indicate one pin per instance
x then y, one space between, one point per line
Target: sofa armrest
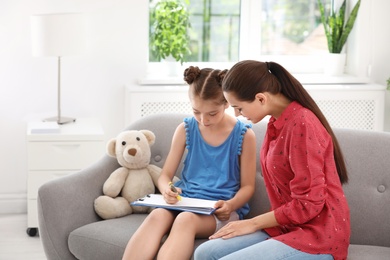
58 214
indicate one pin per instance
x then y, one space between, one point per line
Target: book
44 127
200 206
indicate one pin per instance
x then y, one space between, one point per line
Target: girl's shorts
219 224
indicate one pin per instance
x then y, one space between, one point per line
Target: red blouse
303 185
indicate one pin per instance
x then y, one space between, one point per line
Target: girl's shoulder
243 126
246 134
188 121
180 130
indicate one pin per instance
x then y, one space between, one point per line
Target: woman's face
207 112
252 110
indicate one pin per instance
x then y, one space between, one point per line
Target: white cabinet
53 155
356 106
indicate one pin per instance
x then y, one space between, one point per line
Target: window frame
250 46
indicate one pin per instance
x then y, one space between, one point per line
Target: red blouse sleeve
310 148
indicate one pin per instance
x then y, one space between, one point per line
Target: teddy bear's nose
132 151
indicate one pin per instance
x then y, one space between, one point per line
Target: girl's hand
170 196
235 228
224 209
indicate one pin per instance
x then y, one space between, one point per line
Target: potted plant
388 84
337 28
169 35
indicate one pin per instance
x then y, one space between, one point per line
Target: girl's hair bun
191 74
221 75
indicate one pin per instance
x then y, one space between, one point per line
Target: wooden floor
15 244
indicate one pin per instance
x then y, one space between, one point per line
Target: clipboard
200 206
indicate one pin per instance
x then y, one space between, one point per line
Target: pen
173 188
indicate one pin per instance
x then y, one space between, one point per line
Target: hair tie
268 66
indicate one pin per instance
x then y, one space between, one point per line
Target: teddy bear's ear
111 147
149 136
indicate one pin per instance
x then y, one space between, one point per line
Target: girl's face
254 110
208 112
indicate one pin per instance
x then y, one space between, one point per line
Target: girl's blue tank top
212 172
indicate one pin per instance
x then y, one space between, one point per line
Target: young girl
303 171
220 165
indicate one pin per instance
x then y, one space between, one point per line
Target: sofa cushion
104 239
363 252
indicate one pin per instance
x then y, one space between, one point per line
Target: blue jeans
254 246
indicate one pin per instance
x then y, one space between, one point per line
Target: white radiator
358 106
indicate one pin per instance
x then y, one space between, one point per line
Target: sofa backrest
367 158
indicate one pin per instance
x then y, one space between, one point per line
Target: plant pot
335 64
172 66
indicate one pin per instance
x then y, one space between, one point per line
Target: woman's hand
235 228
224 209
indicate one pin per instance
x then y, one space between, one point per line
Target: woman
303 171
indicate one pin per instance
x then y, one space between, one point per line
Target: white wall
380 70
93 84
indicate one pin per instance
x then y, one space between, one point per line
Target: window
284 31
291 28
215 30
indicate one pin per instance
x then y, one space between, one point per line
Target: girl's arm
247 175
172 163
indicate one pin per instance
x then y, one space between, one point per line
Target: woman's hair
247 78
205 83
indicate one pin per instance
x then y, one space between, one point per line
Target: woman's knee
218 248
209 250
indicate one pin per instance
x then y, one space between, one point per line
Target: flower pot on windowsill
337 29
335 64
172 66
169 36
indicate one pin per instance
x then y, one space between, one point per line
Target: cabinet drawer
63 155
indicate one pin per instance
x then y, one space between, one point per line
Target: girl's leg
186 227
217 248
273 250
145 242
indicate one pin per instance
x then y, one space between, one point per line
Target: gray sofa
70 229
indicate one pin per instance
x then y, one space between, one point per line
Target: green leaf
335 30
388 84
348 26
169 33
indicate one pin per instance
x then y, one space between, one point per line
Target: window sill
305 79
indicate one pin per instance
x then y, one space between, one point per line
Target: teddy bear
135 179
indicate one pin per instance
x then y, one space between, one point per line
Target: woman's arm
247 226
310 159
